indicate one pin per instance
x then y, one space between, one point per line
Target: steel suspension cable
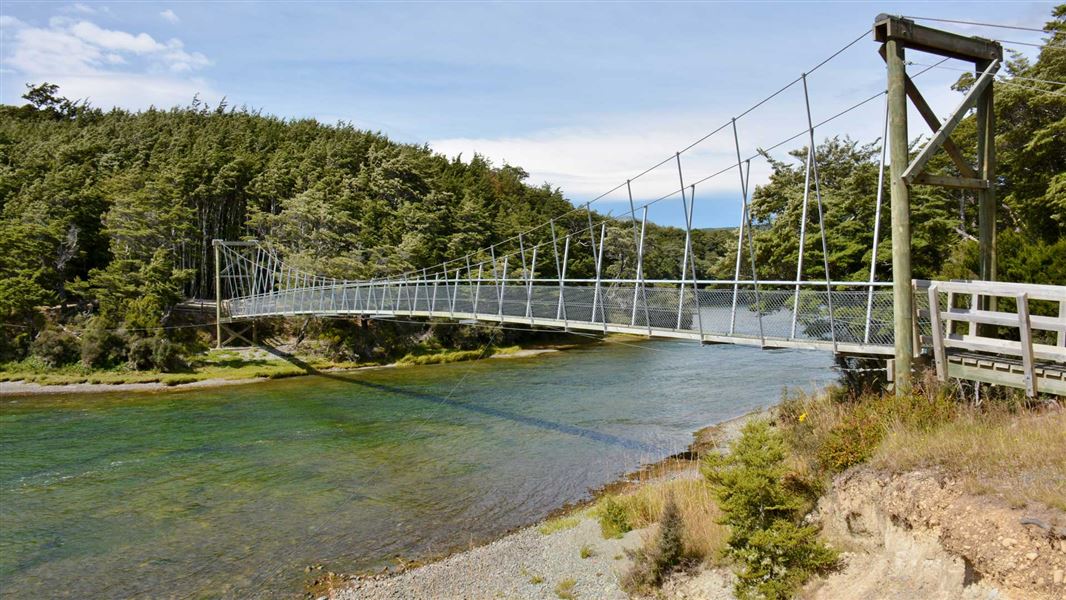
960 22
587 205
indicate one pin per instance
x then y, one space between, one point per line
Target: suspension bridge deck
966 337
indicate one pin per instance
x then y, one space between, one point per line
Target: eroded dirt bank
919 535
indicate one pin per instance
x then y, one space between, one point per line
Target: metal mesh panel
723 310
260 285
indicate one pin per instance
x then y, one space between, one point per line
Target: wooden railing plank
1026 344
1004 319
939 353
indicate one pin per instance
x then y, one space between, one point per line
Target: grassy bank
225 365
1002 447
443 356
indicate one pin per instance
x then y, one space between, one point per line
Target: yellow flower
803 417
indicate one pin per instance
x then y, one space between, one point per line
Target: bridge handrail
1002 289
987 339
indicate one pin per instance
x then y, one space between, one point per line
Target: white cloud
82 8
7 21
142 43
170 15
587 161
107 66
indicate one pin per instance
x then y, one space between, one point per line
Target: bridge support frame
897 35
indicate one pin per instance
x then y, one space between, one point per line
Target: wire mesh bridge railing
848 317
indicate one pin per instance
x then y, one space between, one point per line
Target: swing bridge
984 330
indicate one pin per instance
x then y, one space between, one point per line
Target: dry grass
565 589
1019 457
703 536
559 524
999 449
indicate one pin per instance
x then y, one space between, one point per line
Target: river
232 492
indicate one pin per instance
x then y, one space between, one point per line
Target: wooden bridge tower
897 35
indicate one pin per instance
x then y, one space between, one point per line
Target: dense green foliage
111 214
774 551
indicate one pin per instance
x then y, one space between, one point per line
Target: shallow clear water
233 491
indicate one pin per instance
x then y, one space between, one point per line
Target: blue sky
581 95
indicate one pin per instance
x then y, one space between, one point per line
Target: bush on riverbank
660 554
774 551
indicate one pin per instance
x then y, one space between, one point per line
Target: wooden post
986 166
218 299
901 226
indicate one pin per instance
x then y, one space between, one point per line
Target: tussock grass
1000 448
559 524
565 589
702 538
1019 457
451 356
442 357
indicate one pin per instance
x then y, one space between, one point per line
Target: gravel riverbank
536 565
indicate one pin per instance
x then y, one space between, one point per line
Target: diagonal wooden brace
934 124
945 130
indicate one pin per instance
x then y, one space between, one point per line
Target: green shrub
100 346
614 519
55 347
156 353
779 559
139 354
851 441
664 553
774 553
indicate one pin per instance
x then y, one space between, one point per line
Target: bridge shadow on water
544 424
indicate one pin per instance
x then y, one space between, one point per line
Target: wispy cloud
108 66
84 9
589 161
170 15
